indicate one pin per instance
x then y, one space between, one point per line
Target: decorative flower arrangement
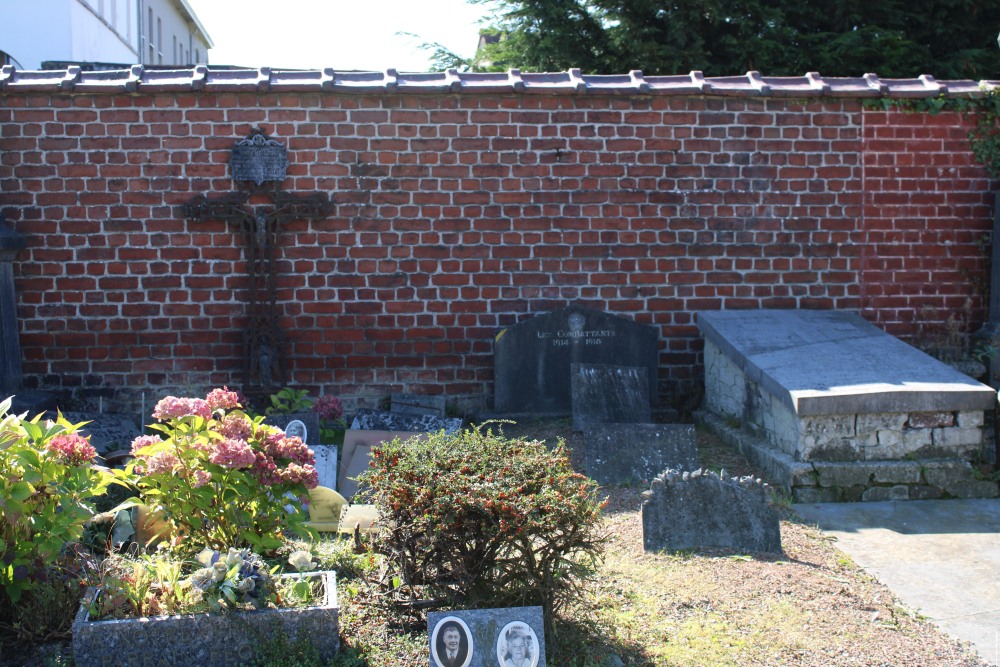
220 478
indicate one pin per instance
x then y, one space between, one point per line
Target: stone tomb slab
609 395
626 453
532 358
828 392
836 363
487 637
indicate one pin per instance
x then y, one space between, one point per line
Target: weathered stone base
840 481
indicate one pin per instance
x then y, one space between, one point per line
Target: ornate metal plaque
259 159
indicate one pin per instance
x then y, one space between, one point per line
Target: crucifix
259 209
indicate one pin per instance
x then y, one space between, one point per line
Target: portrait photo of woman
517 646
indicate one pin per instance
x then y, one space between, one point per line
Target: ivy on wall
984 138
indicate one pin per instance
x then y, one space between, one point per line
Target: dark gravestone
416 404
532 358
487 637
108 431
10 355
627 453
609 395
695 510
258 158
379 420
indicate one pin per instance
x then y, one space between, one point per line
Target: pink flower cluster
232 453
296 474
279 446
164 461
144 441
201 478
328 407
172 407
72 448
235 426
223 399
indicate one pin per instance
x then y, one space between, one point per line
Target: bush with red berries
480 520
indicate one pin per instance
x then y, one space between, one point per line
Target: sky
342 34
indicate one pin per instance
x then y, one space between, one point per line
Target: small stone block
846 474
815 495
970 419
418 404
931 419
947 473
626 453
925 492
870 423
878 493
487 637
957 437
972 488
896 472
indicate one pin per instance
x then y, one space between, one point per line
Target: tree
895 38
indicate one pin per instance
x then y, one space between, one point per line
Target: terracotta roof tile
201 77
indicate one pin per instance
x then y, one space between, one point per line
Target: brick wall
458 214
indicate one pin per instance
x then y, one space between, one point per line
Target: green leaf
21 490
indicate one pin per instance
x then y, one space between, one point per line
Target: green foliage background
949 39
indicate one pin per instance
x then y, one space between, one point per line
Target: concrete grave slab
532 358
626 453
696 510
367 419
604 394
835 363
487 637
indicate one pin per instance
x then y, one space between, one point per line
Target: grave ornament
259 165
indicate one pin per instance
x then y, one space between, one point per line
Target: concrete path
940 557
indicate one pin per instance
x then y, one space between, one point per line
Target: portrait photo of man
451 643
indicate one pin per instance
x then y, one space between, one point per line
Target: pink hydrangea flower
280 446
72 448
161 462
144 441
296 474
222 399
232 453
172 407
201 478
265 471
236 426
328 407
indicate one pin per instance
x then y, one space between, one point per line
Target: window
175 61
197 55
159 40
149 39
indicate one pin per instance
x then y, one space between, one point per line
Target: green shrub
482 520
47 484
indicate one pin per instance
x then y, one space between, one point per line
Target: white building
123 32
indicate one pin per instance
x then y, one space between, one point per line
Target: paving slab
939 557
834 362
